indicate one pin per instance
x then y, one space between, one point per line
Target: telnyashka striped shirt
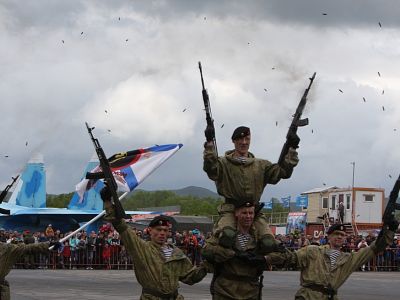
166 250
241 159
243 239
333 255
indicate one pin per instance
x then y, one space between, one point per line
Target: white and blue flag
302 201
285 201
129 169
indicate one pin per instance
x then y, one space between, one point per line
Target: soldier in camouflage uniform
9 254
159 266
325 268
239 176
237 270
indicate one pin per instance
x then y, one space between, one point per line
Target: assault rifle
4 194
292 140
391 206
207 108
106 174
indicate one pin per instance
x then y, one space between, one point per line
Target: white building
363 207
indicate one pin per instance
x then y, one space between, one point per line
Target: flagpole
87 223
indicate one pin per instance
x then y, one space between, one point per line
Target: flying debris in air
276 123
273 68
109 130
265 89
26 143
222 126
62 41
364 99
81 32
312 130
383 91
379 74
106 111
184 110
205 18
248 43
324 184
340 91
383 108
126 40
380 25
394 129
324 14
119 18
6 156
390 176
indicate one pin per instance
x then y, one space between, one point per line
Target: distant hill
196 191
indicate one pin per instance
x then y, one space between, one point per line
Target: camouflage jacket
233 277
10 253
243 180
315 269
153 272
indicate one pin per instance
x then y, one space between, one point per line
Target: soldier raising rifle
240 176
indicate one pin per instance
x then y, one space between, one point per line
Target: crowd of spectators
104 249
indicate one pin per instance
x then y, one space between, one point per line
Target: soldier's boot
266 244
227 237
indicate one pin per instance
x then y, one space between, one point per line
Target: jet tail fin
30 190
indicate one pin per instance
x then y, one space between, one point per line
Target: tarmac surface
114 284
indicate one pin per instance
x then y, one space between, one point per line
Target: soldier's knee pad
266 244
227 237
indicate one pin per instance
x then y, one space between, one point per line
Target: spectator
49 232
91 250
107 256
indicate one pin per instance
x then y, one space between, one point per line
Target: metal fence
115 257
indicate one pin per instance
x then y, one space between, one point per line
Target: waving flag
302 201
130 168
285 201
268 204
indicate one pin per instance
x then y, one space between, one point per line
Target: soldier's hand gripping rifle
210 129
4 194
292 139
106 174
389 220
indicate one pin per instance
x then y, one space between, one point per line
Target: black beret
240 132
160 221
244 203
336 227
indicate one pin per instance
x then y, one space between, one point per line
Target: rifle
4 194
106 174
391 206
292 140
207 108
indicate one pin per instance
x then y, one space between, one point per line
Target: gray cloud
48 88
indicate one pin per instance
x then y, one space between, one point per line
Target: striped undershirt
243 239
333 255
241 159
167 250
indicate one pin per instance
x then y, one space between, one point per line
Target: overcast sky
67 62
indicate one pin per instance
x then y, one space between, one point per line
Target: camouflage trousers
227 219
4 291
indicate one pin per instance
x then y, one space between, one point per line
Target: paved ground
112 285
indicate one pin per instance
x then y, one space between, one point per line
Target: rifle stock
207 108
106 174
296 122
